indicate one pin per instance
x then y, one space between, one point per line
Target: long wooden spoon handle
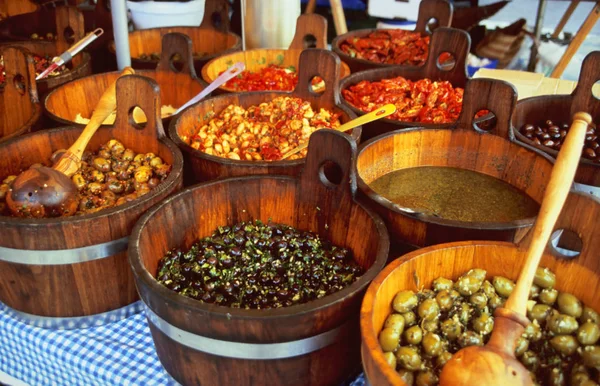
70 161
381 112
555 196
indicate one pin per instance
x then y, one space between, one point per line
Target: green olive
562 324
101 164
534 292
389 339
579 374
454 294
396 322
79 181
104 153
565 344
470 338
488 289
97 176
539 312
128 155
425 294
390 358
496 301
544 278
468 285
413 335
410 319
156 162
451 329
95 187
442 284
589 315
483 324
591 356
139 158
479 300
432 344
556 377
477 273
464 314
142 174
428 309
116 148
431 325
444 300
533 331
503 286
548 296
588 333
405 301
522 346
407 376
569 304
530 360
426 378
408 358
443 358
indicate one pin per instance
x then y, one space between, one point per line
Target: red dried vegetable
40 64
270 78
395 46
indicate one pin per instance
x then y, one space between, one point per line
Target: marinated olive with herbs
559 346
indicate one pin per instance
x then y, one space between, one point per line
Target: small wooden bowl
258 334
578 277
451 40
441 10
461 146
560 108
56 268
176 87
203 167
20 107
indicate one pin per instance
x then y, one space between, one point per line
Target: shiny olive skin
405 301
451 329
444 300
390 358
588 333
503 286
589 315
410 319
432 344
396 322
426 378
544 278
565 344
548 296
428 309
522 346
441 284
496 301
413 335
556 377
562 324
464 314
431 325
539 312
569 305
530 360
408 358
533 331
425 294
477 273
389 339
467 285
470 338
534 292
488 289
407 376
483 324
591 356
479 300
443 358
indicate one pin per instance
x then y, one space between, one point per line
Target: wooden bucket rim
380 200
78 220
192 305
65 121
174 135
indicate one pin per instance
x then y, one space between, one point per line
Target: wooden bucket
308 26
203 167
306 344
441 10
461 146
72 272
560 108
578 277
70 29
10 8
19 104
176 88
451 40
215 41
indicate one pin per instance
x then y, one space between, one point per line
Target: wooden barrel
560 109
578 277
203 167
10 8
461 146
70 27
56 272
19 104
209 40
314 343
440 10
176 87
443 40
308 27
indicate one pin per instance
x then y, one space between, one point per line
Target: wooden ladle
49 192
495 363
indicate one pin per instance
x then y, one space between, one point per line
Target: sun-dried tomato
270 78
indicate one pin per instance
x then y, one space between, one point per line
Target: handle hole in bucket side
69 35
446 61
137 118
316 85
19 84
176 62
432 24
566 244
309 41
484 121
330 174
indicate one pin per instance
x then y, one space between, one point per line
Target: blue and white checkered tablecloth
118 353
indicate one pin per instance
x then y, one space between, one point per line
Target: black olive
235 252
207 297
227 261
197 284
239 239
212 260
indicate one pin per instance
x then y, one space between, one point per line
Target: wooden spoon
49 192
381 112
495 363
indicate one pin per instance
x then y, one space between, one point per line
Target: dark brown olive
589 153
554 129
101 164
528 127
548 143
545 136
537 141
549 123
593 145
153 182
116 187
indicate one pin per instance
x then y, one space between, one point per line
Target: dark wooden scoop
495 363
49 192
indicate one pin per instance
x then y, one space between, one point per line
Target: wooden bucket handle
310 24
583 99
317 62
177 43
143 92
441 10
68 18
216 15
497 96
458 43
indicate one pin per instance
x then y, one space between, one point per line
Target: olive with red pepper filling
252 265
